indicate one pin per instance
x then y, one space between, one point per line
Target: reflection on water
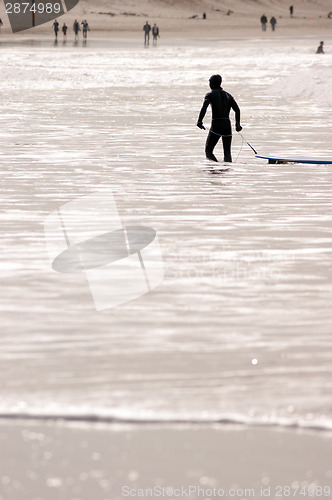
246 248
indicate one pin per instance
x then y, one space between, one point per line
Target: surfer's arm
203 111
236 109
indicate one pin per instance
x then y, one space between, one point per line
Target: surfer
221 103
320 48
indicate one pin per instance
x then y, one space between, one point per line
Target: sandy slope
174 17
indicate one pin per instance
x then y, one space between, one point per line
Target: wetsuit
221 103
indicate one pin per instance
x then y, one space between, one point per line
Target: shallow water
240 328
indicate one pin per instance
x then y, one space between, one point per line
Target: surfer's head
215 81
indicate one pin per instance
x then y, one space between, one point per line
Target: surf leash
230 135
254 150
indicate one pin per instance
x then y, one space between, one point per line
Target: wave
311 84
318 424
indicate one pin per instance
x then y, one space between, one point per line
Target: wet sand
53 461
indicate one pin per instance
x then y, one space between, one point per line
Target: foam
312 84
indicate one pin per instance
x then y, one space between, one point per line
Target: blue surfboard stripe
295 160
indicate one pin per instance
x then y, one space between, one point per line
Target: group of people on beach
273 22
147 30
76 29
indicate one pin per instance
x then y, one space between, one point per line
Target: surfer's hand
200 125
238 127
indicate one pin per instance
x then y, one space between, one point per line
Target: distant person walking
1 23
320 48
291 10
221 103
155 33
56 28
146 29
64 29
204 15
76 28
85 28
263 21
273 22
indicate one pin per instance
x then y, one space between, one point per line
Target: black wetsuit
221 103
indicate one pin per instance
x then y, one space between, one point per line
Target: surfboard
276 159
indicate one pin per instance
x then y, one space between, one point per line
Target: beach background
221 376
125 19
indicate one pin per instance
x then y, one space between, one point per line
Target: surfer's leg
211 142
227 141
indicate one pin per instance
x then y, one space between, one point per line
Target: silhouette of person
263 21
56 28
291 10
155 33
76 28
85 28
320 48
146 29
221 103
273 22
